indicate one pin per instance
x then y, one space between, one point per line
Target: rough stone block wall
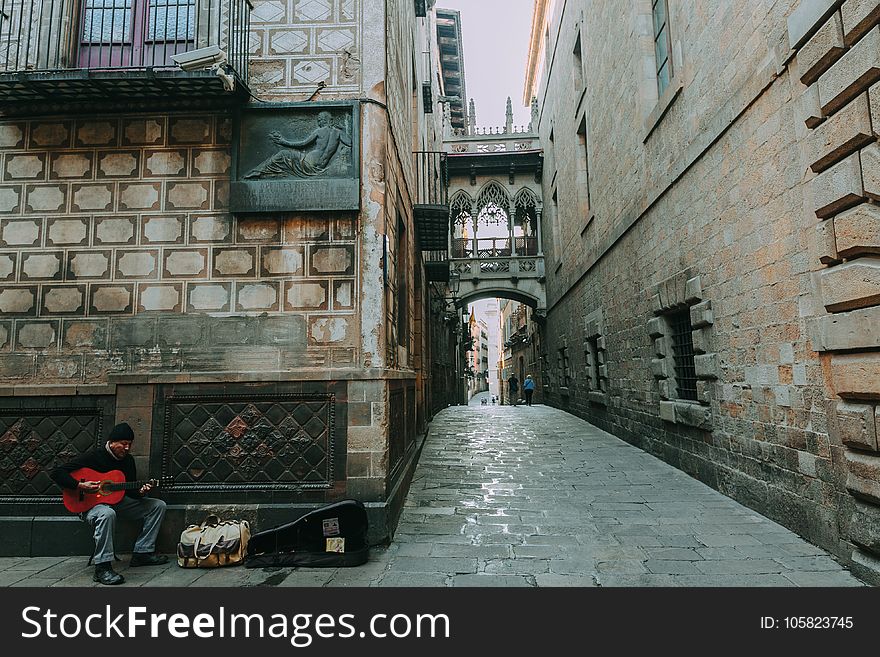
756 173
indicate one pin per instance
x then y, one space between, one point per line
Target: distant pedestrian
513 388
529 389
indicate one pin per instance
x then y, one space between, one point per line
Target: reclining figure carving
303 159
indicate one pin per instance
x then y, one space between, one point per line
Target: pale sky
496 45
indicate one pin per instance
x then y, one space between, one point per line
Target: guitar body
78 501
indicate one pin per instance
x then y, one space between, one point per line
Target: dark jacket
513 383
97 459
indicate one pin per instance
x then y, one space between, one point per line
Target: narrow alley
532 496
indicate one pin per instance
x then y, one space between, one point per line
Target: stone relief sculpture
303 159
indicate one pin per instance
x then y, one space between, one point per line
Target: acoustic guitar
111 489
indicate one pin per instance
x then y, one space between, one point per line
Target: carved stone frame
684 290
338 189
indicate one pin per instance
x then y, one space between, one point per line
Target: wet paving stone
532 497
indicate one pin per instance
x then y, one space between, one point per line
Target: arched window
462 224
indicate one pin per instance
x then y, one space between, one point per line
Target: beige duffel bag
214 543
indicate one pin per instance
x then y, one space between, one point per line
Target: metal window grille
593 360
683 355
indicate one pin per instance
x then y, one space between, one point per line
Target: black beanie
121 432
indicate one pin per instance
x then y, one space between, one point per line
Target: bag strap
211 520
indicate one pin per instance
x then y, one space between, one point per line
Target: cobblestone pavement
519 496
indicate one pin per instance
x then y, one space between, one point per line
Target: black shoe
104 574
147 559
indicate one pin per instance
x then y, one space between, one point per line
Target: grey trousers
102 518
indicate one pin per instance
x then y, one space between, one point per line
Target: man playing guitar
114 455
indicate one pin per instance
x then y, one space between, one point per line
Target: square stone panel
12 135
166 230
224 130
115 230
307 295
143 132
211 162
67 232
159 298
93 264
142 264
88 334
328 330
268 73
10 199
63 300
190 130
140 196
102 132
5 335
257 297
344 294
50 133
312 71
211 228
286 41
208 297
301 229
8 263
165 163
335 260
118 164
310 11
282 261
234 263
20 232
185 263
346 229
71 165
189 195
92 198
18 300
46 198
111 299
257 230
336 39
36 335
25 166
45 265
221 194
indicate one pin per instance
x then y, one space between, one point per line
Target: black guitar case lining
332 536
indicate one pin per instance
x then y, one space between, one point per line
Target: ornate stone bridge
495 208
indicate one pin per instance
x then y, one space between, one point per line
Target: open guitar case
332 536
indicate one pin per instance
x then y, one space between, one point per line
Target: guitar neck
129 485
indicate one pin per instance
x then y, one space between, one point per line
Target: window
592 360
564 368
402 287
662 44
681 334
171 20
584 169
107 21
578 65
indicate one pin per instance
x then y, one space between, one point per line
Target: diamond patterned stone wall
36 437
267 441
295 44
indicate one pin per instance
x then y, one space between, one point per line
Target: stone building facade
270 358
717 165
